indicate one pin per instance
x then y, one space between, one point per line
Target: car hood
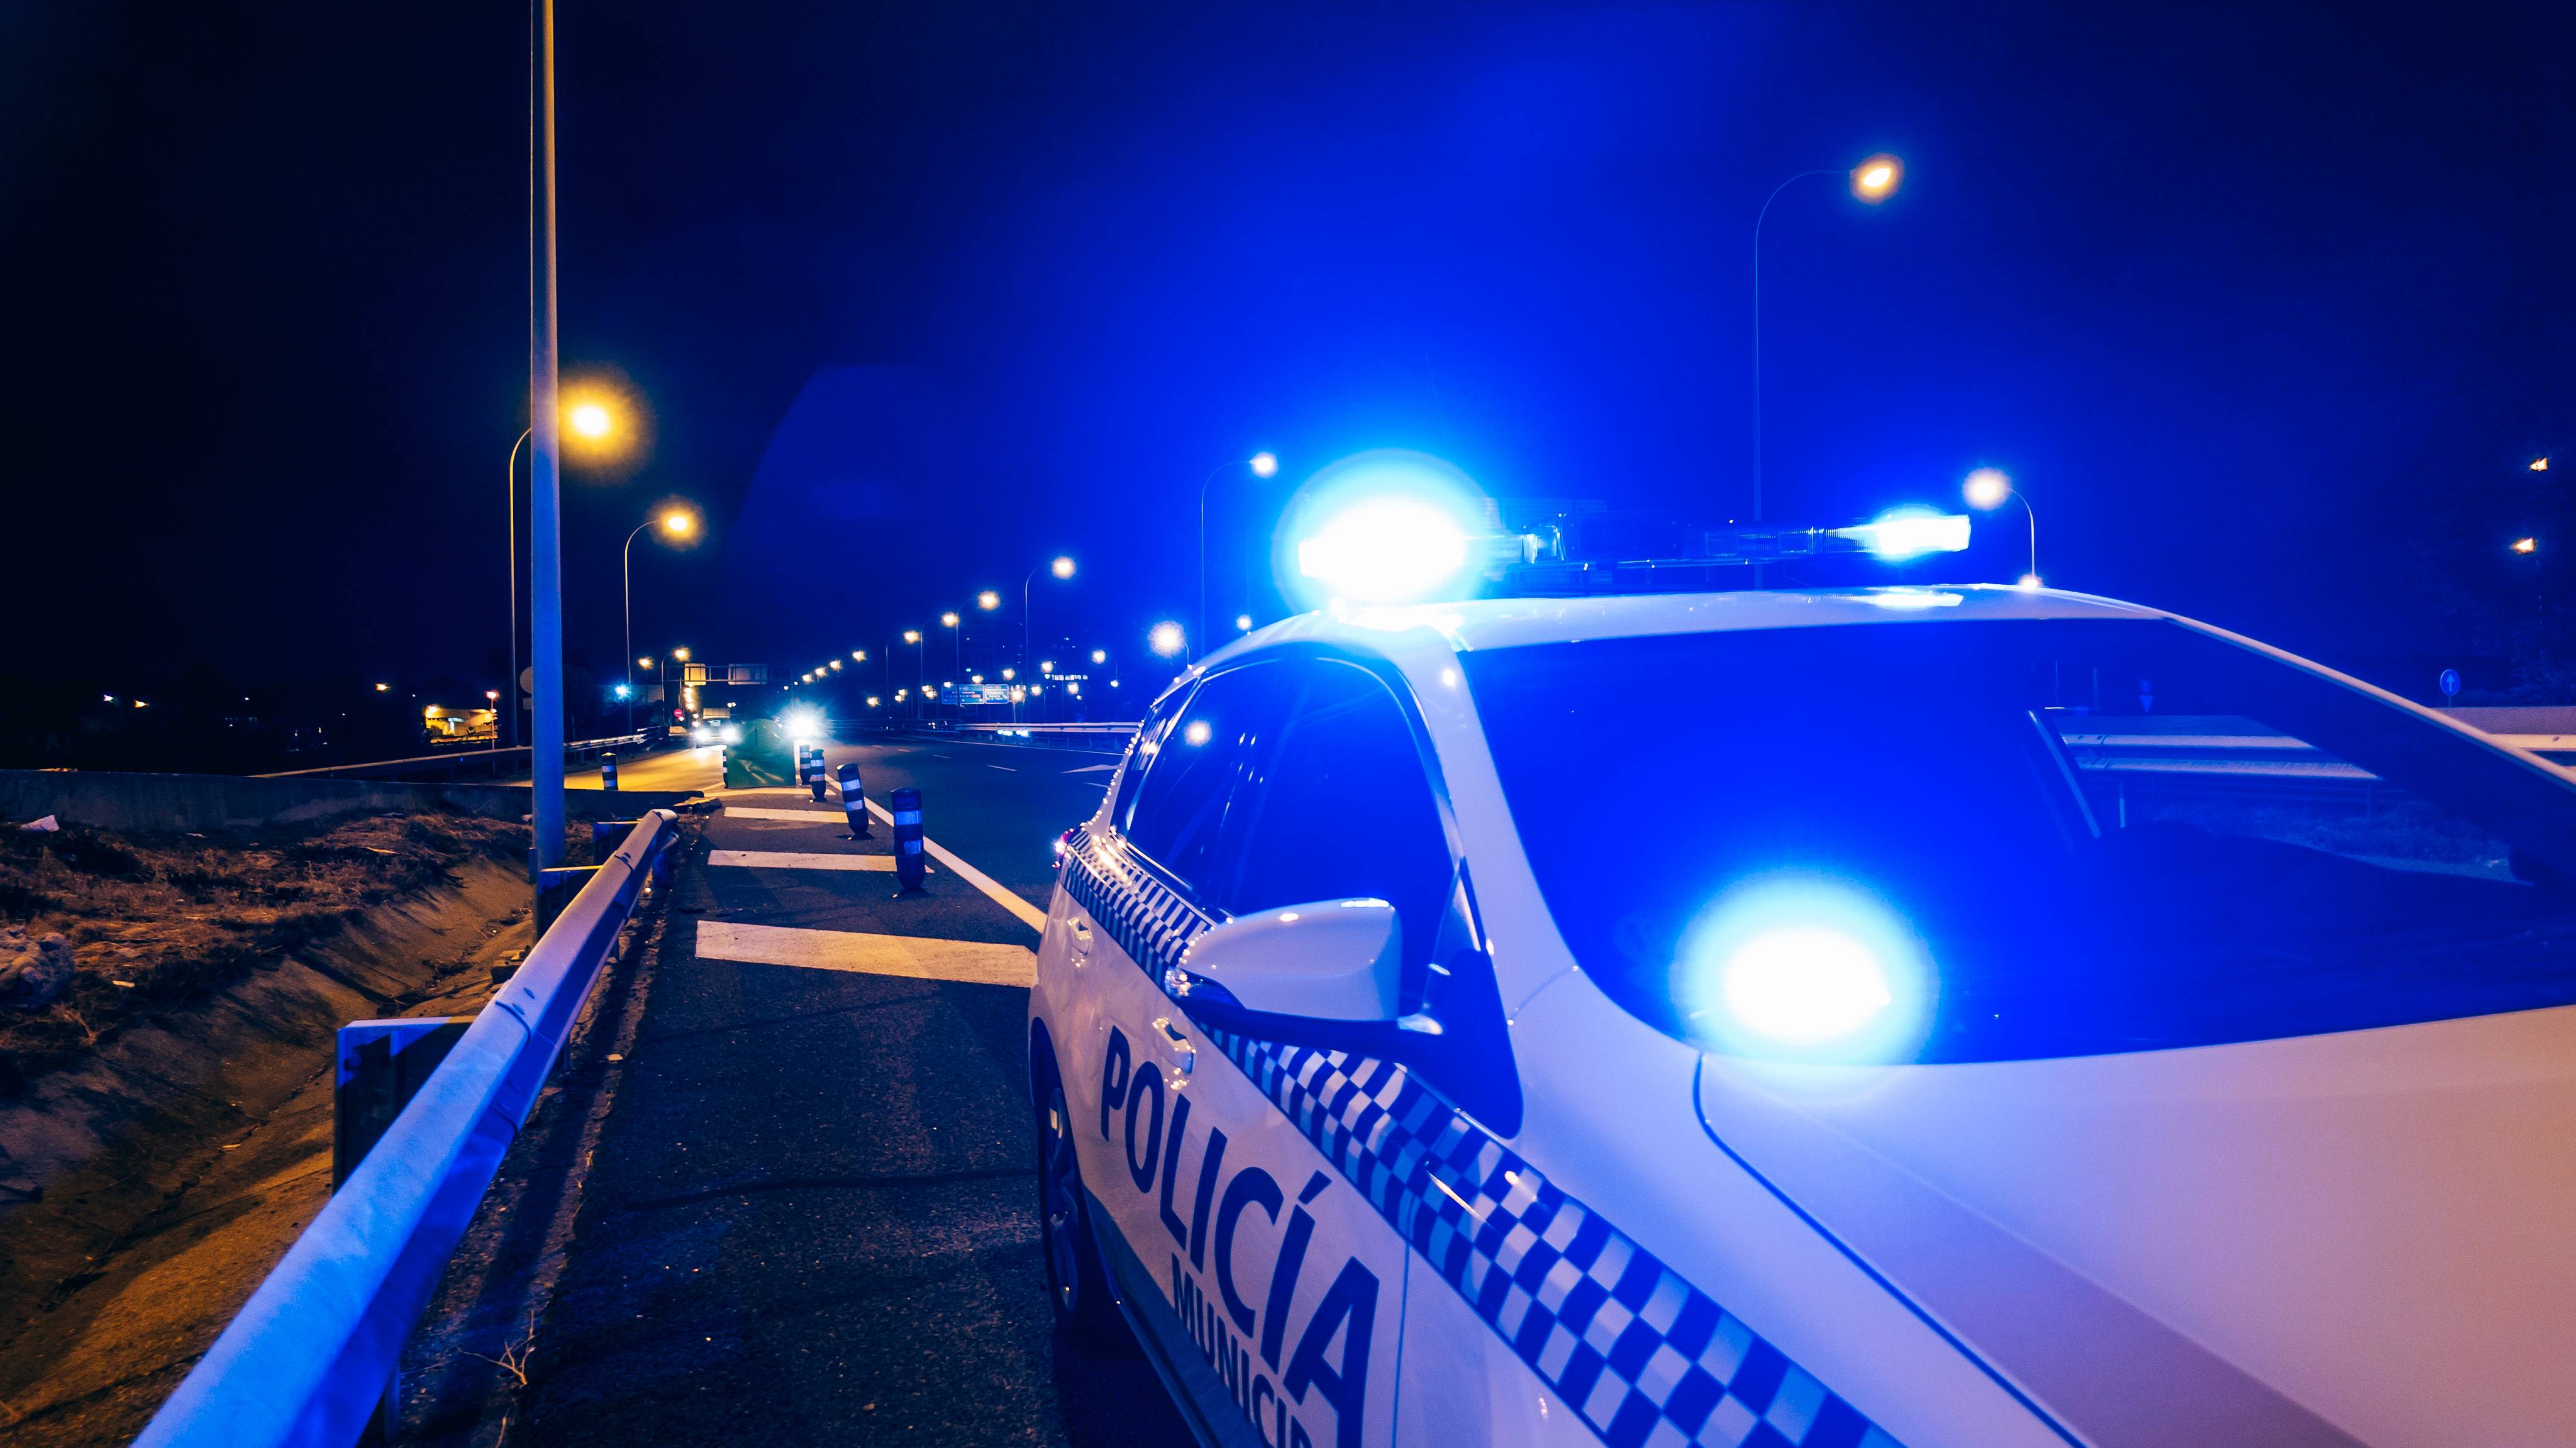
2361 1237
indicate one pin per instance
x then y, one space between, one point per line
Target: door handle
1176 1046
1079 933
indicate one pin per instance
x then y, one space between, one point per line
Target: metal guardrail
306 1360
1112 735
454 759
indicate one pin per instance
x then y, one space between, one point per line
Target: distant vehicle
722 731
1932 1016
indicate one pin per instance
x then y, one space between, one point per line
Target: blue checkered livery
1646 1358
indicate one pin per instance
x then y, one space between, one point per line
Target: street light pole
1989 488
1763 215
1262 465
678 524
511 568
1062 567
626 592
545 542
1872 181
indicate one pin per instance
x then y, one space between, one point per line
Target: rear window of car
1949 841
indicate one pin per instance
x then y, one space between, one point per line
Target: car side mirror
1331 960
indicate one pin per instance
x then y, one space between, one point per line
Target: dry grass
156 921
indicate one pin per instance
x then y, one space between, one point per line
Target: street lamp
588 419
1062 567
957 637
1872 181
676 524
1261 465
988 600
1989 488
1166 638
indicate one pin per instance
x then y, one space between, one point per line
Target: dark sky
2250 299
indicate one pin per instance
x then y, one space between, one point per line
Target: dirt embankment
155 923
168 1130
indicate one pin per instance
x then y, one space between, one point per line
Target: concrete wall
207 802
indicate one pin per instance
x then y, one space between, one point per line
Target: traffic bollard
854 800
608 770
907 840
814 771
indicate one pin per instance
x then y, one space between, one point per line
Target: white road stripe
1029 915
794 860
796 816
975 962
1091 769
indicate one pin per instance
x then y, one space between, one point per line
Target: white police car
1971 1016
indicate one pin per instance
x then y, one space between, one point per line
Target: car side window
1140 754
1342 809
1180 805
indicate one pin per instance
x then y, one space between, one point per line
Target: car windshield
1991 840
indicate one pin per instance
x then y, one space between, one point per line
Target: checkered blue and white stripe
1645 1357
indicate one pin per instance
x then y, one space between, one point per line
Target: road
811 1216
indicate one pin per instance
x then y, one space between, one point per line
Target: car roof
1497 623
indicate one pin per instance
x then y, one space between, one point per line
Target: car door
1238 1166
1144 1093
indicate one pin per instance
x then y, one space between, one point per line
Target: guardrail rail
308 1358
488 760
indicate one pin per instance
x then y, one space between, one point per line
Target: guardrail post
556 885
381 1065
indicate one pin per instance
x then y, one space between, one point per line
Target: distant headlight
733 734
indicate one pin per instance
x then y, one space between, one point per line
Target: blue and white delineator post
908 864
854 800
608 770
810 757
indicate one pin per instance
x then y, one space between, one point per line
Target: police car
1929 1016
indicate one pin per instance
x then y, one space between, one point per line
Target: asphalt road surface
812 1213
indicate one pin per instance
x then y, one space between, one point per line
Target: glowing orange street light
1877 178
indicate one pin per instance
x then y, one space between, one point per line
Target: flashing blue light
1804 987
1910 533
1387 526
1385 550
622 691
1799 967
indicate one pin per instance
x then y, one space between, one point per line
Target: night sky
2265 308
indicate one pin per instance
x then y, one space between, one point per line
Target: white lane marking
1006 769
1091 769
792 860
799 816
1029 915
975 962
793 791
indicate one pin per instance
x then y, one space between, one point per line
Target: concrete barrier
207 802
